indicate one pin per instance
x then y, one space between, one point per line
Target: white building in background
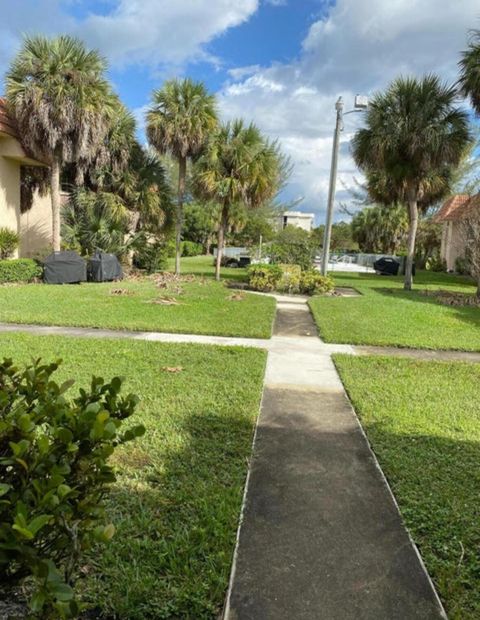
296 218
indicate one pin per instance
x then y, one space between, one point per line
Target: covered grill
104 267
64 268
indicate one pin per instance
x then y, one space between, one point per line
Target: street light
361 104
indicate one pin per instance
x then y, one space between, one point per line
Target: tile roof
7 125
457 207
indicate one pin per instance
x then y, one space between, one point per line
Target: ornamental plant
54 474
264 278
313 283
9 241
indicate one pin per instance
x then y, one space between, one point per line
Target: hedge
19 270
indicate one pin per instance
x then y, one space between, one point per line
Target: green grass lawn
385 314
204 266
177 500
204 308
423 421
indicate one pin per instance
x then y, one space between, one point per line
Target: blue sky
279 63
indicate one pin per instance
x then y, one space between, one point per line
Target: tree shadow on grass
176 515
466 314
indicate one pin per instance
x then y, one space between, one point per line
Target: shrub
19 270
264 278
9 241
152 257
435 263
462 266
190 248
290 280
293 246
313 283
54 474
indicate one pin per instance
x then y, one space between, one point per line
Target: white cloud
155 33
161 31
357 48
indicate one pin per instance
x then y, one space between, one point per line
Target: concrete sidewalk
321 536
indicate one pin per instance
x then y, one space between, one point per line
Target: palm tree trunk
55 197
221 241
182 174
412 233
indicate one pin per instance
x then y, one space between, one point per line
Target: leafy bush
54 474
290 280
462 266
435 263
313 283
190 248
264 278
152 257
19 270
9 241
293 246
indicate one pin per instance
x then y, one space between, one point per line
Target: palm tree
181 118
57 92
239 166
470 71
414 137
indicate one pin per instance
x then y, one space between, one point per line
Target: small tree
179 122
239 166
60 99
414 136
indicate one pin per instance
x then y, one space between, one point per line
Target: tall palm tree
59 96
239 166
470 71
414 136
181 118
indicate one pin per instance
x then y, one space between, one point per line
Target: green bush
9 241
19 270
54 474
152 257
190 248
290 280
313 283
293 246
462 266
264 278
435 263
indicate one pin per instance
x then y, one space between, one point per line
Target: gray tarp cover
64 268
104 267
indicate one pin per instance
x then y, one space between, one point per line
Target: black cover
387 266
104 268
390 266
64 268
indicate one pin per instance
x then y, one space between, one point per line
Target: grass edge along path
423 422
203 307
386 315
177 500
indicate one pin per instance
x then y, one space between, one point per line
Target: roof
457 207
7 125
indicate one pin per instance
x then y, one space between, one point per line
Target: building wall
306 223
453 243
36 228
9 194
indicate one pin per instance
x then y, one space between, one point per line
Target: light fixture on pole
361 104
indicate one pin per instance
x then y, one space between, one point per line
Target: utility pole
331 190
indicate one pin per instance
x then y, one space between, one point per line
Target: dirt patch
121 291
453 298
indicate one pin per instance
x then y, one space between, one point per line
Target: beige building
451 215
35 225
296 218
